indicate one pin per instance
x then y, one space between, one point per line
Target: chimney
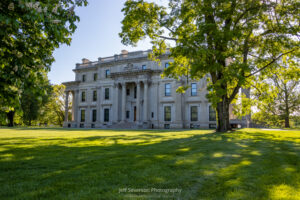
85 60
124 52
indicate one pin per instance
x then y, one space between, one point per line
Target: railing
129 55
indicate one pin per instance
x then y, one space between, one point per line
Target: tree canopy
29 33
232 41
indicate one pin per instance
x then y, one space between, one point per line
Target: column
123 114
66 106
73 105
138 101
145 101
115 103
76 100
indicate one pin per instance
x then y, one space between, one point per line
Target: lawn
144 164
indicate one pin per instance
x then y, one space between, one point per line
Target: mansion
126 91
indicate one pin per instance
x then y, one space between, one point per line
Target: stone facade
127 91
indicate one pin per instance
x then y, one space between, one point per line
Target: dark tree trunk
223 116
287 109
10 116
287 122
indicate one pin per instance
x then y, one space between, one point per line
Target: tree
34 96
279 94
228 39
54 110
29 33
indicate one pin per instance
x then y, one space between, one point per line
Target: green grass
95 164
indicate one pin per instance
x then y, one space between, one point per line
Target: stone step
124 125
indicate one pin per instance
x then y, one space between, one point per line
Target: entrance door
134 113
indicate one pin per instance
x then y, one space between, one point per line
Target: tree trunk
287 109
287 121
10 116
223 116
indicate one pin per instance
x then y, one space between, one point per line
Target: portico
134 101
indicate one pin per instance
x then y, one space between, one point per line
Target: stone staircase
125 125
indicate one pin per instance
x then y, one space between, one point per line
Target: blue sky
96 36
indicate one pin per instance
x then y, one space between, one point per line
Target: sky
97 35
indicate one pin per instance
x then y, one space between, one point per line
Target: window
194 89
152 114
144 67
128 92
83 78
83 96
106 94
167 65
194 113
168 89
107 73
106 115
127 114
94 118
95 77
212 114
135 92
167 113
82 116
94 95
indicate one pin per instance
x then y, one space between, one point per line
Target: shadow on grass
209 166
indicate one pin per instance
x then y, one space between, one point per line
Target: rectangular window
107 73
82 96
152 114
94 115
106 115
144 67
95 77
212 114
167 113
168 89
167 65
83 78
127 114
128 92
82 115
94 95
135 92
106 95
194 113
194 89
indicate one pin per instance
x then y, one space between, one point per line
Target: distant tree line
41 105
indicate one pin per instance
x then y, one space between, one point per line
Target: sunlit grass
95 164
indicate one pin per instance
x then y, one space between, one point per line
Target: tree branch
267 65
167 38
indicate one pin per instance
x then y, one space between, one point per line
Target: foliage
54 110
29 33
279 95
230 40
34 96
